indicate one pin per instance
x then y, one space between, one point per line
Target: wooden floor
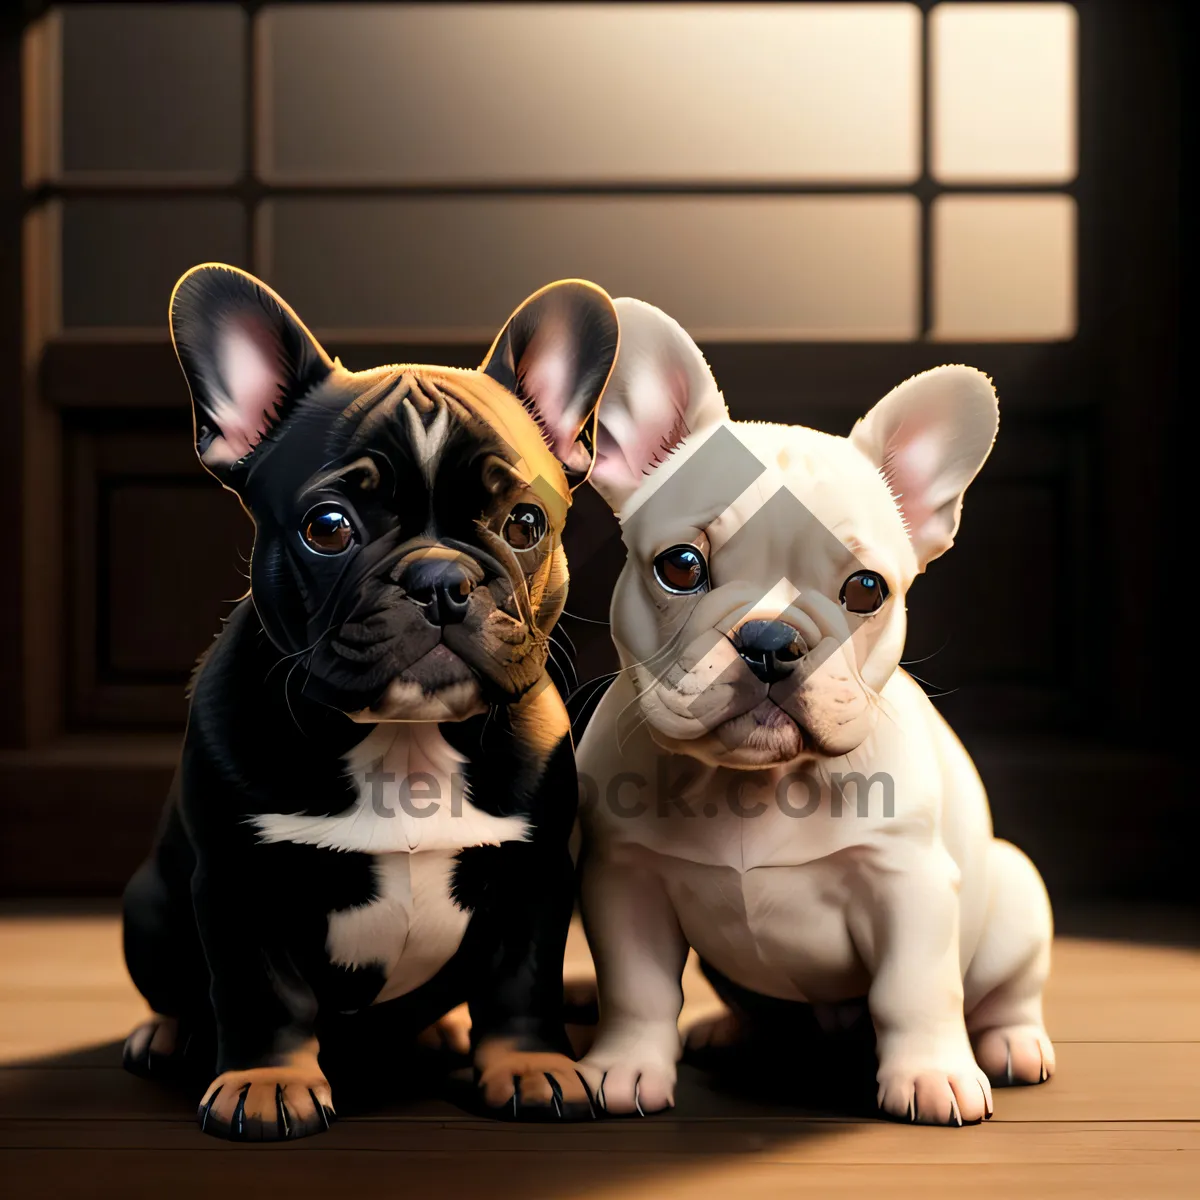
1121 1119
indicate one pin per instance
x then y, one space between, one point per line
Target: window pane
1004 92
121 258
733 268
152 89
1004 267
584 92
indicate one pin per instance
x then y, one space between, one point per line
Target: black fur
227 932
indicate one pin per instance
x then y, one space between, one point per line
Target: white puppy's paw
946 1093
632 1083
1015 1054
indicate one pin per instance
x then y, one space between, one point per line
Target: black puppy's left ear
247 357
556 354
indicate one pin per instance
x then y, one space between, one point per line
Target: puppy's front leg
639 951
269 1086
522 1056
905 923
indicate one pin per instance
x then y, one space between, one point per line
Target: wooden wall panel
157 551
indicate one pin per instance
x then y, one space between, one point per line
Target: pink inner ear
636 434
544 376
249 369
911 464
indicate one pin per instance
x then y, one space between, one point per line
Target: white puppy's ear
660 391
929 437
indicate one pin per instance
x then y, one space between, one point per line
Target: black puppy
377 784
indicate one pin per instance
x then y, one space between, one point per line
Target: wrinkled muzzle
758 685
433 630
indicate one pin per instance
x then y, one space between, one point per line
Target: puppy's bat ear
929 437
661 390
247 359
555 354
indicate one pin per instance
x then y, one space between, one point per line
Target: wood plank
66 987
768 1140
1097 1081
1118 991
532 1175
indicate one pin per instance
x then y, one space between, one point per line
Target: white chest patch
414 814
412 795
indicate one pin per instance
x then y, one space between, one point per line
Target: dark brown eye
525 527
681 569
864 592
328 531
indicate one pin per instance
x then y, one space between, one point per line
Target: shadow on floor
79 1125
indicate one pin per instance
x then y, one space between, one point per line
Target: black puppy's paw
449 1037
155 1048
266 1104
531 1085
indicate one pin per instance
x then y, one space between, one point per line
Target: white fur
412 927
428 441
944 928
411 930
403 751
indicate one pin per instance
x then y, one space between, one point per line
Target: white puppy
762 781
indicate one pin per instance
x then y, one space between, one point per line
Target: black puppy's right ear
247 358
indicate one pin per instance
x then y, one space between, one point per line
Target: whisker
622 742
567 668
937 689
927 657
585 620
298 653
288 699
559 632
598 682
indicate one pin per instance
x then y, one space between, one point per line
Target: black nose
442 587
770 649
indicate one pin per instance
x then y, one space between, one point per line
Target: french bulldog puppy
377 783
760 620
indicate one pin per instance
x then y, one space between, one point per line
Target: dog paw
1015 1055
450 1034
634 1084
531 1085
267 1104
954 1094
153 1048
725 1032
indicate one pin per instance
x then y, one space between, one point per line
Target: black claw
516 1100
237 1127
600 1094
281 1113
587 1091
208 1108
321 1109
556 1094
